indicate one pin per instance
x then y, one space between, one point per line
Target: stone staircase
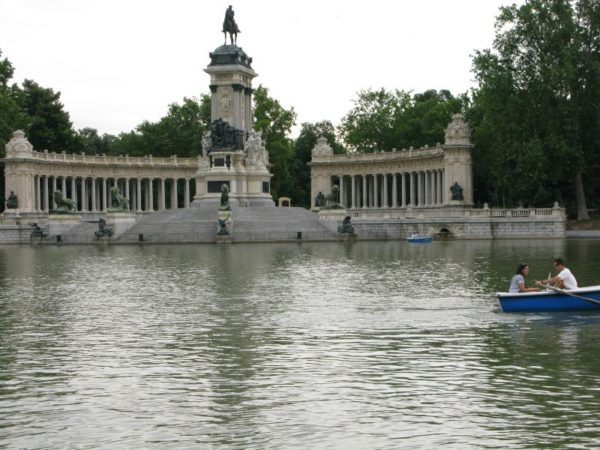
199 225
278 224
188 225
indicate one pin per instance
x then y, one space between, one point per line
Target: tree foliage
177 133
275 123
536 115
384 120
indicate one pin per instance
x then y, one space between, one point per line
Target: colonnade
93 193
391 190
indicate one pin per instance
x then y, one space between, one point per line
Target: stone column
46 194
353 191
127 193
341 181
174 195
74 190
413 189
161 194
104 202
54 189
38 192
403 187
439 186
150 195
94 194
84 197
237 106
64 186
248 99
426 180
394 190
364 191
386 203
186 193
138 195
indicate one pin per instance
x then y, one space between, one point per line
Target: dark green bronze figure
224 205
222 229
346 226
37 231
12 202
320 200
457 192
63 205
103 229
229 26
119 203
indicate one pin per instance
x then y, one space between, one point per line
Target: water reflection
366 345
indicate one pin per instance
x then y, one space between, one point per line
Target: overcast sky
120 62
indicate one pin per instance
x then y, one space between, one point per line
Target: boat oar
565 292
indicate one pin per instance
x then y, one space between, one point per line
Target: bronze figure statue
229 26
12 202
224 203
63 205
457 192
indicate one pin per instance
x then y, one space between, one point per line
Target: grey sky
120 62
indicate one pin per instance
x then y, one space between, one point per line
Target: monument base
59 224
120 222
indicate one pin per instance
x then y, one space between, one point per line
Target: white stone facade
413 178
34 176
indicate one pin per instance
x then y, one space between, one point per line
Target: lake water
366 345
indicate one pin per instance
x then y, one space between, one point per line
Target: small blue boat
582 299
419 238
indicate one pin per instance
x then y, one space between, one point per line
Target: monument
233 154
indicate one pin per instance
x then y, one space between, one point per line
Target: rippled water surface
365 345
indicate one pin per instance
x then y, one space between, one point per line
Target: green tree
275 123
48 125
536 116
303 146
94 144
178 133
383 120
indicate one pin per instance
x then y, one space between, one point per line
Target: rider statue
229 26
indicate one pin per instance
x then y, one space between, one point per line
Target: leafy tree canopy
384 120
536 114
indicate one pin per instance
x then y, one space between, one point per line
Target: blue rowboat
582 299
419 238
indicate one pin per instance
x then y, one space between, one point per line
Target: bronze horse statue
229 26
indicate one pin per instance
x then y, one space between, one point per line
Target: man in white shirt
565 278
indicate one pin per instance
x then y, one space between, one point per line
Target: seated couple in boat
564 279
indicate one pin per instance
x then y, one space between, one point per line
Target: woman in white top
565 278
517 283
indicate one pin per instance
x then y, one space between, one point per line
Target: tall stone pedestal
59 224
120 222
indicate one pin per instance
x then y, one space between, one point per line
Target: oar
562 291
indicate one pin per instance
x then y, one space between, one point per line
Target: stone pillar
161 194
127 196
403 188
94 194
427 191
150 195
439 187
104 202
364 191
38 192
248 99
413 189
386 203
394 190
54 189
74 190
84 197
138 195
46 194
237 105
353 191
174 195
342 200
186 193
64 186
